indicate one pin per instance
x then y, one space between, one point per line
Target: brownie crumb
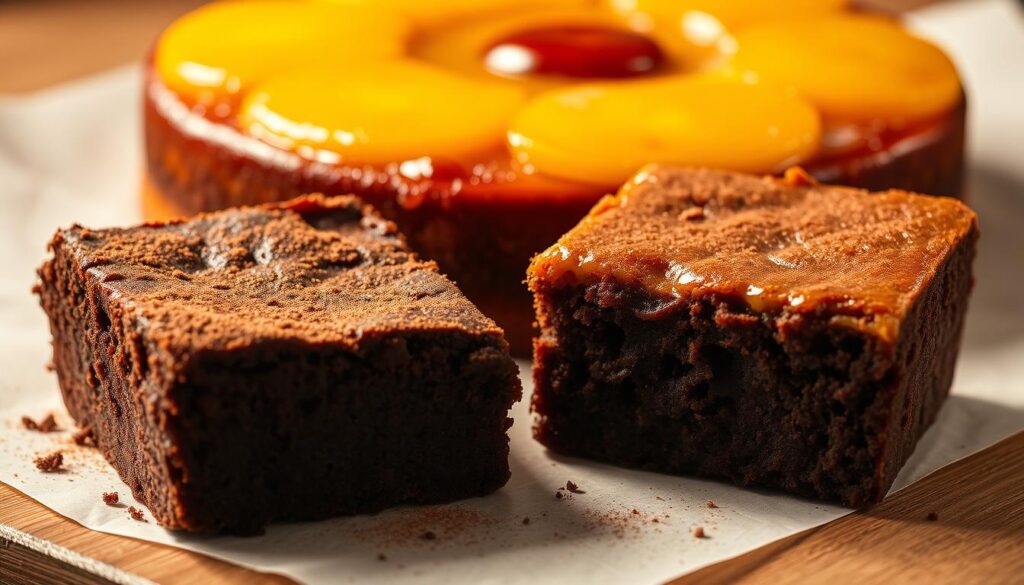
526 521
136 514
428 535
698 532
636 512
47 425
572 487
654 520
692 214
84 437
382 557
933 516
110 498
51 463
710 504
559 495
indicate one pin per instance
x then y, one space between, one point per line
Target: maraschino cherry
580 51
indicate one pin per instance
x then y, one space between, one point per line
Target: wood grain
977 536
137 559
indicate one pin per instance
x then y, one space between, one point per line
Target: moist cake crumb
711 504
83 437
47 425
51 463
572 487
698 532
136 514
110 498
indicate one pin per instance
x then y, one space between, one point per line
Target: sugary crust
320 270
778 246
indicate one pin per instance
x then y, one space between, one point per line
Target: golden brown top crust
780 245
315 270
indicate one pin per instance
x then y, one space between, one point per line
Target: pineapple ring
225 47
854 68
592 134
728 13
398 110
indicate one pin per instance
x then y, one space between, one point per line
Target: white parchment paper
73 154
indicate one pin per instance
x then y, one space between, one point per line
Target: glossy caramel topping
781 246
601 133
853 67
575 51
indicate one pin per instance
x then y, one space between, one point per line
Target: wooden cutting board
978 536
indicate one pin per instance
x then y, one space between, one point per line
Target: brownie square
285 362
771 332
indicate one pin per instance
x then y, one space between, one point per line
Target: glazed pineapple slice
730 13
380 113
854 68
224 48
602 133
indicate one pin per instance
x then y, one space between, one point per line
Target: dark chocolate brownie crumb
429 535
698 532
47 425
84 437
572 487
51 463
711 504
110 498
136 514
933 516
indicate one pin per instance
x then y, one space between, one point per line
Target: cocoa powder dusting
445 524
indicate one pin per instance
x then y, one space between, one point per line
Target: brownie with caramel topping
277 363
772 332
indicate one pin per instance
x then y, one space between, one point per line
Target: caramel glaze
782 246
480 224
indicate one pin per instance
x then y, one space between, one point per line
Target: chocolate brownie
277 363
772 332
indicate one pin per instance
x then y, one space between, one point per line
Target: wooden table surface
979 501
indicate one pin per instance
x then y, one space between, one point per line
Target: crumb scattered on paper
50 463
